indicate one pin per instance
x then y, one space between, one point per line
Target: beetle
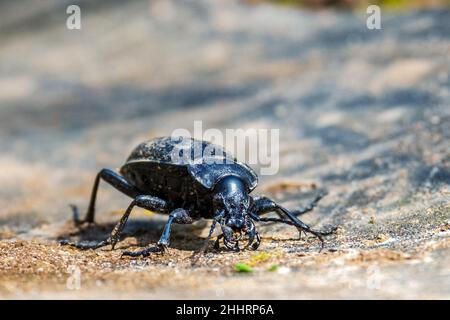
189 179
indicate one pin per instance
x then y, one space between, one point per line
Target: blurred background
362 113
360 4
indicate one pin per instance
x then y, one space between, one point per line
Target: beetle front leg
179 216
265 205
142 201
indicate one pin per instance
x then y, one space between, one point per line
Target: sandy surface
363 114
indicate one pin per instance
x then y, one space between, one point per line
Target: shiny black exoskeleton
188 180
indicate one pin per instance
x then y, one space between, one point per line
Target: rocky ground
362 113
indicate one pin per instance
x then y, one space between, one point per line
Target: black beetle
204 182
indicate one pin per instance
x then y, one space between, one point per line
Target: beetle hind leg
115 180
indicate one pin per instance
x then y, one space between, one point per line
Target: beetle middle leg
142 201
179 216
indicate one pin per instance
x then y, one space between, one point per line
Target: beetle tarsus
75 214
79 223
142 253
255 244
164 247
85 246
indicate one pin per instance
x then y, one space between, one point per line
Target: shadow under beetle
190 179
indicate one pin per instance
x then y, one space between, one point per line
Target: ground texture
362 114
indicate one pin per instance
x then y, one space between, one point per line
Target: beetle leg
261 202
265 205
252 235
114 179
84 246
310 206
179 216
217 242
143 201
255 244
144 253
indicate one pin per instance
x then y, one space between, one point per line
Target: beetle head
232 203
232 200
